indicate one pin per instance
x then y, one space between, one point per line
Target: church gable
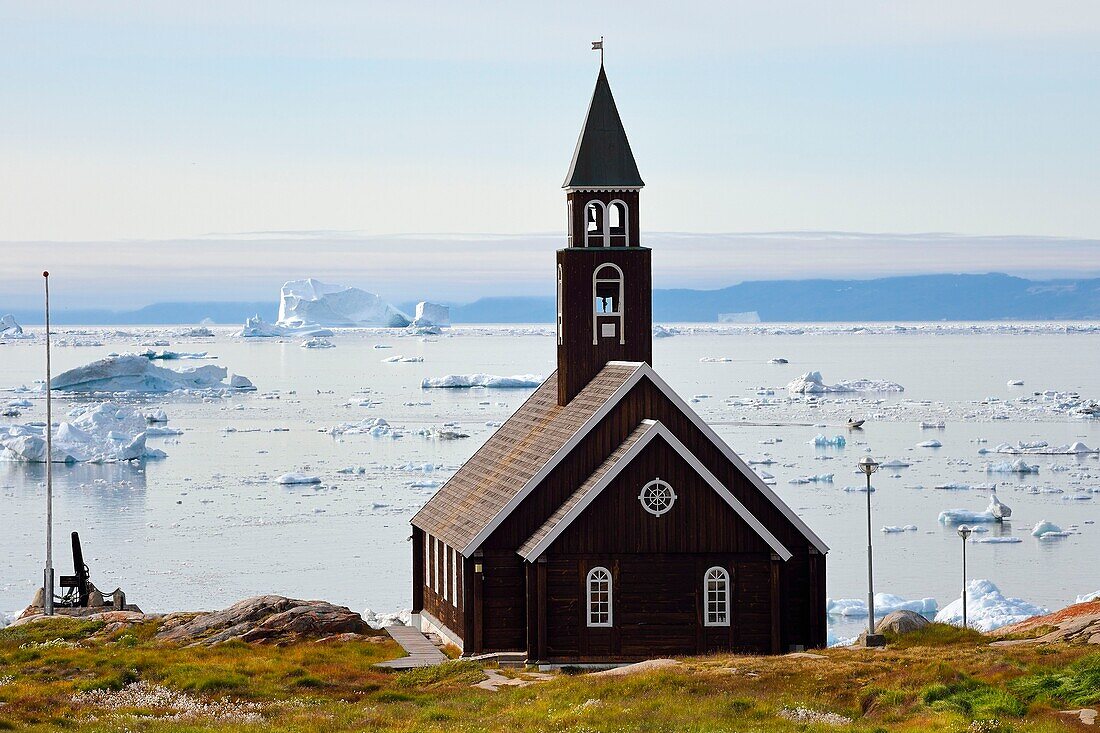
652 496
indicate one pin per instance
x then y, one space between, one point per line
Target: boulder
901 622
264 619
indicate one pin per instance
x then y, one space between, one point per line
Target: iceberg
403 359
9 328
137 373
1042 448
884 603
987 608
1017 466
894 529
1088 597
1044 527
314 303
995 512
106 433
317 343
930 444
294 478
826 478
465 381
814 383
431 314
660 332
824 441
256 327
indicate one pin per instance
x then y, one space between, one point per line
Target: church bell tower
603 274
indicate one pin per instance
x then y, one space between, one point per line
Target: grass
935 680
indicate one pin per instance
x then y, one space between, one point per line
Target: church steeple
603 275
602 157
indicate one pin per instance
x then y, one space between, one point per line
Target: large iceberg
987 608
814 383
306 302
9 328
465 381
431 314
137 373
104 433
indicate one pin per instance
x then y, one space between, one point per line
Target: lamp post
868 465
964 533
47 573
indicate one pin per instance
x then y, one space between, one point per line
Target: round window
657 497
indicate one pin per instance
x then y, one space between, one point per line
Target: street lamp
868 465
964 533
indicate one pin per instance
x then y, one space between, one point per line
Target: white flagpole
47 577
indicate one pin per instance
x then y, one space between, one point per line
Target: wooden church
605 520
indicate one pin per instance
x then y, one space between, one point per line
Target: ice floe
884 603
105 433
137 373
995 512
821 478
465 381
1017 466
660 332
311 302
837 441
1094 596
317 343
930 444
403 359
257 327
895 529
378 620
296 478
987 608
814 383
1042 448
1045 529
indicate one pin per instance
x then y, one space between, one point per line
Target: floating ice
373 426
821 478
1017 466
431 314
136 373
312 302
256 327
155 416
381 620
884 603
936 425
1015 383
895 463
660 332
930 444
105 433
165 355
295 478
196 332
995 512
814 383
715 360
996 540
317 343
778 360
836 441
1045 527
465 381
987 608
9 328
1042 448
403 359
1094 596
894 529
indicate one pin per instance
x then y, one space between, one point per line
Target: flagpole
47 576
601 50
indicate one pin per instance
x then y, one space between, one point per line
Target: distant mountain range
911 298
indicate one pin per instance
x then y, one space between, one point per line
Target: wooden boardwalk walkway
422 653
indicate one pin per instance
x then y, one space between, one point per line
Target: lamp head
965 532
868 465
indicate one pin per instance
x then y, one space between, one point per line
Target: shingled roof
515 455
602 158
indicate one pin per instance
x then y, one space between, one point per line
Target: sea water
209 524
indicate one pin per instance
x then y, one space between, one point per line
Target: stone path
422 653
1087 716
494 680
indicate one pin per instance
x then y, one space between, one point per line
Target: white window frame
600 237
428 573
620 307
446 573
721 597
454 578
626 222
569 224
439 566
601 575
561 334
671 500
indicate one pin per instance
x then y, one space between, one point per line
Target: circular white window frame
657 497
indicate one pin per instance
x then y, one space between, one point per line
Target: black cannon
79 586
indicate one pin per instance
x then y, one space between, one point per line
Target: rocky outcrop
1076 624
264 620
901 622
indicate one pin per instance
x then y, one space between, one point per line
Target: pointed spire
602 158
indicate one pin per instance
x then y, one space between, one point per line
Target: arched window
607 303
569 221
595 224
716 592
617 224
599 597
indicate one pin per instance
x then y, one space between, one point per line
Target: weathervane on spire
598 45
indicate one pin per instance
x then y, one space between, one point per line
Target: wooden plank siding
441 583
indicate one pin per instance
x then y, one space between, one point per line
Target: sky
163 149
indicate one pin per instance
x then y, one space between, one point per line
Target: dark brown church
605 520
